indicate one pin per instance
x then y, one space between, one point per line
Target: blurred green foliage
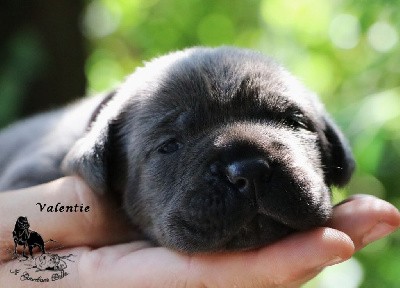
347 51
15 74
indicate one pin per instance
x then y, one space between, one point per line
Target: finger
293 259
103 224
365 219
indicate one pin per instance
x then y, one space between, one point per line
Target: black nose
246 174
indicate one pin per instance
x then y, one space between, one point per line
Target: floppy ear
89 157
338 159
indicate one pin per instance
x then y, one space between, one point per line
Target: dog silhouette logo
45 267
22 235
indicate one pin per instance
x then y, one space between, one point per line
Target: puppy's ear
338 159
89 157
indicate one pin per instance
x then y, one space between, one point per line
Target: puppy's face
222 150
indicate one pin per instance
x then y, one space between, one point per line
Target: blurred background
347 51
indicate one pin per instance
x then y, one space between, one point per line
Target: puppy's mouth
261 230
223 218
254 232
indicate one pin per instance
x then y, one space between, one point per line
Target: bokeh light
344 31
382 36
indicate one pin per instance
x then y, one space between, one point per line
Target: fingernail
377 232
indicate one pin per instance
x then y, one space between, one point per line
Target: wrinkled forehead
214 85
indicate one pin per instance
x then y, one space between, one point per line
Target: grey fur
165 143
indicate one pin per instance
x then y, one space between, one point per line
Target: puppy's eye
169 146
297 121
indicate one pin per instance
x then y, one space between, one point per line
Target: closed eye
297 121
170 146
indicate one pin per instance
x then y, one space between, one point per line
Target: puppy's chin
224 220
259 231
262 230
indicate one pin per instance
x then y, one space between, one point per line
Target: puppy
22 235
206 149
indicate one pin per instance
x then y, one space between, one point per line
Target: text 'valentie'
62 208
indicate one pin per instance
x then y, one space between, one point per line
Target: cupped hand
286 263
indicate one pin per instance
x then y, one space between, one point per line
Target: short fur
207 149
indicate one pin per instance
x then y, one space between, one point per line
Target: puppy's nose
246 174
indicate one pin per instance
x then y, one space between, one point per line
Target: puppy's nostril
246 174
241 183
235 175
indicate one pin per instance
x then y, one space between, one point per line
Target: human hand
286 263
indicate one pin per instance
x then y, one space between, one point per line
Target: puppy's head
215 149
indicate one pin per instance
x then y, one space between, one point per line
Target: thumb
95 220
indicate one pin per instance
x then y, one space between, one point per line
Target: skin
102 262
